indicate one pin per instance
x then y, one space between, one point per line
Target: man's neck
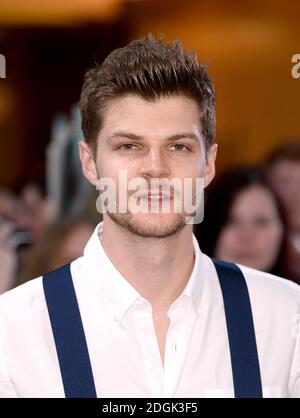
158 268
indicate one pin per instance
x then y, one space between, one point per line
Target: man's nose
155 164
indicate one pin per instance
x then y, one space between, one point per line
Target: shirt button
175 347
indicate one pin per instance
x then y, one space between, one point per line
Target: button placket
145 333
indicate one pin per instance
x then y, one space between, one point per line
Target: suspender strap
240 328
72 348
68 334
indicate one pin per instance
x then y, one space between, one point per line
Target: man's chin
150 225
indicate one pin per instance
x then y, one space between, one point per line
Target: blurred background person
32 240
35 211
283 168
23 218
62 242
244 222
8 204
8 257
10 210
54 207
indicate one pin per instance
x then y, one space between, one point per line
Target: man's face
285 178
152 140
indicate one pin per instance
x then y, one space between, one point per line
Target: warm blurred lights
57 12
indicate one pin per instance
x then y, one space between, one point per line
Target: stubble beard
154 229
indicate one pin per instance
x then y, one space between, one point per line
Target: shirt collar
119 294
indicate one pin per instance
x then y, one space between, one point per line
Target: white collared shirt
121 338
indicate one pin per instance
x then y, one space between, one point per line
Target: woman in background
244 222
63 241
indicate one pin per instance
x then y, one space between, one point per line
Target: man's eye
127 147
180 147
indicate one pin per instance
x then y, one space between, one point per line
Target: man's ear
210 168
88 164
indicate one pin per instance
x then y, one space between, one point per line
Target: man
283 168
144 312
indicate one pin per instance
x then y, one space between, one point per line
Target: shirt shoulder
24 322
275 301
265 290
27 299
271 290
17 308
22 300
275 305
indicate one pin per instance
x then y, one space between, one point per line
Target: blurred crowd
32 241
251 217
252 214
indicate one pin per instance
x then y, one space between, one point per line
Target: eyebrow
132 136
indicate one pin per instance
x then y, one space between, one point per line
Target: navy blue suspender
240 329
72 348
68 332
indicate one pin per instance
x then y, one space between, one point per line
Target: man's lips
152 198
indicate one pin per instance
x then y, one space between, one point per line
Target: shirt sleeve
295 371
6 387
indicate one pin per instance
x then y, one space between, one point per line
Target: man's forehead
194 136
164 117
128 104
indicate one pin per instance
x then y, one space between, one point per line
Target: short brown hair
148 68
